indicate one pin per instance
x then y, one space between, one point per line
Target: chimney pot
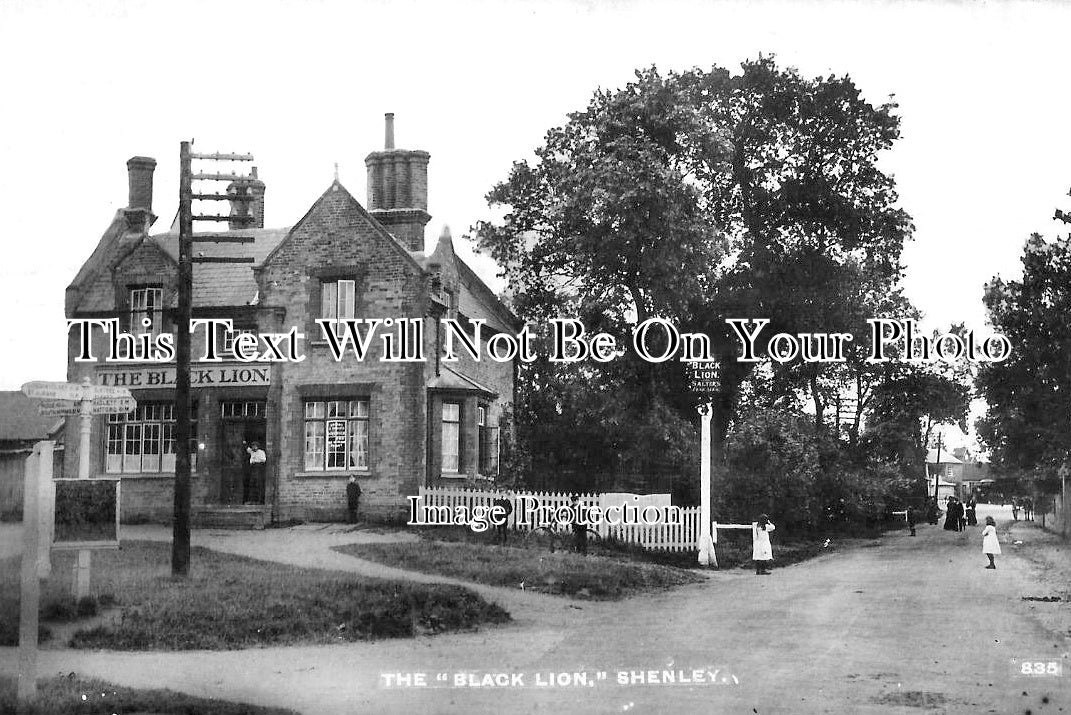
388 139
139 171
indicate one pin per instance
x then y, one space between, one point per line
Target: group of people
960 514
1026 504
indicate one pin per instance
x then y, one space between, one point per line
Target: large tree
1027 425
698 196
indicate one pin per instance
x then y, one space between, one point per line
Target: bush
778 465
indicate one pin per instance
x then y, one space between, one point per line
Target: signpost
703 379
85 400
34 565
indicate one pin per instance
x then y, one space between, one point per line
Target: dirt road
904 625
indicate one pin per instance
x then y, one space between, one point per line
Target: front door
242 424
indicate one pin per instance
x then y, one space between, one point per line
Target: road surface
900 625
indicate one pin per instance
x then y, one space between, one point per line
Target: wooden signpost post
703 379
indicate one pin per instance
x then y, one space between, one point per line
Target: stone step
232 517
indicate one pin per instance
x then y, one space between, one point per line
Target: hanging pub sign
87 514
703 378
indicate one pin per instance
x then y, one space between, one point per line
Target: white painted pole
26 691
706 544
82 563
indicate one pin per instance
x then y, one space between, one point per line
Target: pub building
393 424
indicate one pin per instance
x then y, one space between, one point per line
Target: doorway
242 422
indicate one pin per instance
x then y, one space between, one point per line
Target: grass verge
560 573
88 696
232 602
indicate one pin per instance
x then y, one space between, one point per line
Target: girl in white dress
761 551
990 545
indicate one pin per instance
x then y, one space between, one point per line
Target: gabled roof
19 420
337 187
444 251
946 457
450 379
226 284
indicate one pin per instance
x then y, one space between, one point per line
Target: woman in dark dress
953 512
972 512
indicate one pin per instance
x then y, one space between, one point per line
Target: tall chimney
398 189
139 171
247 202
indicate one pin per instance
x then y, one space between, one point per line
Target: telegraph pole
180 537
937 471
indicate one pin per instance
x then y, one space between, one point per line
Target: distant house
946 469
20 427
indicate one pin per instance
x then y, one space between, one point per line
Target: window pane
114 448
132 449
450 446
329 301
336 408
358 446
336 444
314 445
451 412
345 299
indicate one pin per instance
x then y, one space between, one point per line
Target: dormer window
337 301
146 310
231 336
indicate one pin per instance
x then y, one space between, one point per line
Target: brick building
395 425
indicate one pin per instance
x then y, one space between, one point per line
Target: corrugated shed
19 420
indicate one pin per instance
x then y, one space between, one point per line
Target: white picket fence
682 535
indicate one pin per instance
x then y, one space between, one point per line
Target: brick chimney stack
139 171
241 208
398 189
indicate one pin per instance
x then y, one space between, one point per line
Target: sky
982 89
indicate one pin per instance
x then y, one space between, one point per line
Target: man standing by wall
353 498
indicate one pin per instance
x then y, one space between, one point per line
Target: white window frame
451 437
338 301
146 302
229 337
143 441
348 418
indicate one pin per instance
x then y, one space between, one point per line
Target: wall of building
338 240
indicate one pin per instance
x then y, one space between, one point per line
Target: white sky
983 90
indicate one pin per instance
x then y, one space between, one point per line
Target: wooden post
80 582
180 538
706 545
38 467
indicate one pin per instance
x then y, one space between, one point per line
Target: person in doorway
990 544
254 481
761 551
353 497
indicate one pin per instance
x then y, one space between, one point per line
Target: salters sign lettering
703 378
154 376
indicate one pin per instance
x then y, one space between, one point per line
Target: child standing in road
761 553
990 545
